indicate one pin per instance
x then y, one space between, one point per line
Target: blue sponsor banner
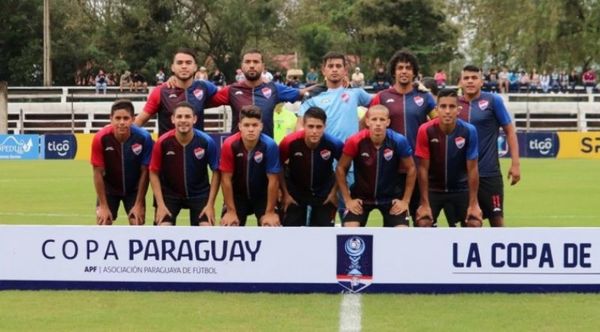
541 145
219 139
59 146
19 146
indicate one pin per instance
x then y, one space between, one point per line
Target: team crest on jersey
345 97
199 153
460 142
258 156
136 148
483 104
419 101
266 92
388 154
325 154
199 93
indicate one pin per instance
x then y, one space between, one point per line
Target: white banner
300 259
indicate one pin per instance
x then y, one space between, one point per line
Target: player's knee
497 221
351 224
424 222
473 223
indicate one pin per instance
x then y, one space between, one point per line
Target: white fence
81 110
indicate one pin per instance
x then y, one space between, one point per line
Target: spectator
358 79
125 81
524 81
534 81
492 80
555 81
101 82
513 80
545 81
201 74
503 81
139 82
589 80
160 77
381 80
312 77
278 78
218 78
573 80
440 78
564 82
239 75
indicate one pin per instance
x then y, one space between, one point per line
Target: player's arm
137 215
161 208
271 218
514 173
473 211
354 205
209 209
399 206
424 210
103 214
230 217
151 107
287 198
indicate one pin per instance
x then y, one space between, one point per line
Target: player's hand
161 213
137 215
474 216
398 206
332 198
230 219
424 214
171 83
514 174
354 206
209 212
103 216
270 219
287 200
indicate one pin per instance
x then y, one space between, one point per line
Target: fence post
3 107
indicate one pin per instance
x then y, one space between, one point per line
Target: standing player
250 168
179 171
120 157
487 113
309 175
378 155
409 106
254 91
448 176
182 87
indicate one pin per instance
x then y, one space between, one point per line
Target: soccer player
378 155
164 98
250 168
309 174
179 171
254 91
120 157
447 171
409 105
486 111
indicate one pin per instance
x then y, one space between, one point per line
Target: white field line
350 313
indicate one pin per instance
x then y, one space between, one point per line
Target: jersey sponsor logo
109 148
483 104
170 153
172 96
266 92
326 101
199 93
388 154
199 153
389 101
345 97
238 93
258 156
298 154
419 100
460 142
434 140
137 148
325 154
365 155
240 154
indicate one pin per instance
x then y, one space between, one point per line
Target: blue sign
354 262
59 146
19 146
541 145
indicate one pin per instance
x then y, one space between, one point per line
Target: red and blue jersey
265 96
162 100
447 154
122 162
310 172
376 170
250 168
487 113
407 111
183 170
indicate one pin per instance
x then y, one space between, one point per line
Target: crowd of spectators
555 81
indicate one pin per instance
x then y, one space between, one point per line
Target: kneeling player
120 157
379 155
309 177
179 171
250 168
448 176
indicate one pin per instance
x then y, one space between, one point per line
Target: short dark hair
472 68
253 51
250 111
431 84
447 93
184 104
403 56
186 50
334 55
316 113
122 104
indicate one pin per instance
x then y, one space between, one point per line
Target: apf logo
354 262
543 146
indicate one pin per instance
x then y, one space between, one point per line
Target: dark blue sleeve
211 89
430 102
339 147
500 111
273 165
472 144
148 145
285 93
403 147
213 156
